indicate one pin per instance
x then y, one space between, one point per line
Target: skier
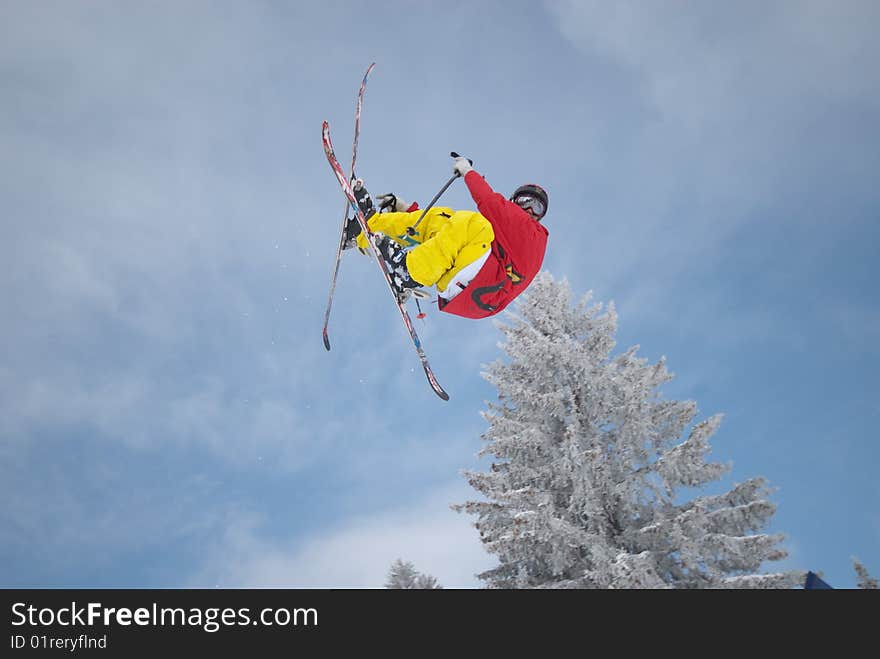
479 261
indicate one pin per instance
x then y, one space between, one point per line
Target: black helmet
531 196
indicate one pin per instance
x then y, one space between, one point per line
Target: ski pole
412 230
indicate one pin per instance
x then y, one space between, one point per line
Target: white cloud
355 552
699 58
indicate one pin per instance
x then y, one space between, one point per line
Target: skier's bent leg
459 243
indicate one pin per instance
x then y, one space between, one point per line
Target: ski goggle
530 202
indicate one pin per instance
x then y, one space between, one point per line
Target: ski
362 220
357 130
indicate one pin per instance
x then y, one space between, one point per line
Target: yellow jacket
446 241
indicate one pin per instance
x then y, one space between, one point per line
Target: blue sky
168 414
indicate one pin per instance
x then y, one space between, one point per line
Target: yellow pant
446 241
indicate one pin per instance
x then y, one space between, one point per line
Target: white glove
392 201
462 166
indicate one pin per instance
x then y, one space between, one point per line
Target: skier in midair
479 260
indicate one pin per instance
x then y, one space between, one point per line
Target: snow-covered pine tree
866 581
588 460
403 574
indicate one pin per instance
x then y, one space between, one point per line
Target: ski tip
326 341
436 385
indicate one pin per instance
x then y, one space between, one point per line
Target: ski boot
364 200
366 206
351 232
352 226
395 257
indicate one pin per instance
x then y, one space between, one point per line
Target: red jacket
516 255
